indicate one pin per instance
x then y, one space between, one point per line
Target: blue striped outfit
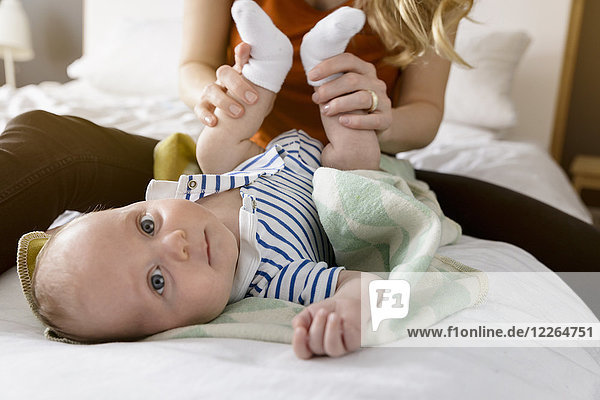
284 251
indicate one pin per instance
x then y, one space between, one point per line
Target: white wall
537 82
98 15
56 27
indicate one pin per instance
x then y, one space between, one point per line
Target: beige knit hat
29 247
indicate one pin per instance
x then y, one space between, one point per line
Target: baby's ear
28 249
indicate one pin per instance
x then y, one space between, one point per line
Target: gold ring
374 101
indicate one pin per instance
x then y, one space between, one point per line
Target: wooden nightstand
586 172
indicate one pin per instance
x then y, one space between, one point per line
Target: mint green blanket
377 221
389 221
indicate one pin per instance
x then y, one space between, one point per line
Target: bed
492 131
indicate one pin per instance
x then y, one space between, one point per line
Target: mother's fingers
236 85
377 121
341 63
214 96
205 112
348 83
360 100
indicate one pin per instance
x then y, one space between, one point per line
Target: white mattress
220 368
31 367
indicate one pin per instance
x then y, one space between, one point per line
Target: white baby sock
271 53
329 37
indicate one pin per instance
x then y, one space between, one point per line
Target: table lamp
15 37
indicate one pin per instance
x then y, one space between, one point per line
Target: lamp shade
15 34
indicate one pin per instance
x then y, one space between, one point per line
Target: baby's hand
330 327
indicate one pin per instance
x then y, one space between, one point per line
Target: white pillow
136 58
482 96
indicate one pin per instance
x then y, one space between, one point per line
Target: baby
208 240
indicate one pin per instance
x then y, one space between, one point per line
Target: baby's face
149 267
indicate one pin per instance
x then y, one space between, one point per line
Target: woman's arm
206 27
420 106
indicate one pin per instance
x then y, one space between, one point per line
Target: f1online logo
388 299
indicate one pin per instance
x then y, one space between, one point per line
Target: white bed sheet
522 167
31 367
153 116
207 368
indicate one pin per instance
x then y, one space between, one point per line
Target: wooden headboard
536 85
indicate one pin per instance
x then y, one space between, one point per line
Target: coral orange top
293 107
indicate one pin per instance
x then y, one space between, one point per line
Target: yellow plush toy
175 156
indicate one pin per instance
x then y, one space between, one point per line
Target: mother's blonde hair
408 28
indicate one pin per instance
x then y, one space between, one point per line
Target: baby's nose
175 245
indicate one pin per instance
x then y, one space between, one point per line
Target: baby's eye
157 281
147 224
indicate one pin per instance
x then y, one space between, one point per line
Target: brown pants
51 163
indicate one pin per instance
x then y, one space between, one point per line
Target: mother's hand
228 91
351 92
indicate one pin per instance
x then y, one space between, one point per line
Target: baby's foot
329 37
271 53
